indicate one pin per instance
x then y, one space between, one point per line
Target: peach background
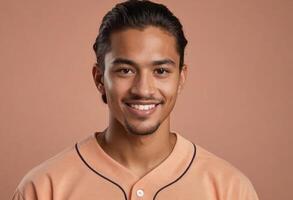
238 101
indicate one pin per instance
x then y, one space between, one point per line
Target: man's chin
134 130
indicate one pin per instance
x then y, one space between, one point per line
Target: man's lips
142 109
135 102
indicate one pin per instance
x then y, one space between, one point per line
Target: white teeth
143 107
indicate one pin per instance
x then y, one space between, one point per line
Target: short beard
134 131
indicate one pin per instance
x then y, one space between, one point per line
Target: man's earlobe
98 78
183 75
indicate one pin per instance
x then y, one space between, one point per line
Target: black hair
137 14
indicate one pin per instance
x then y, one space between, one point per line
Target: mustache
143 98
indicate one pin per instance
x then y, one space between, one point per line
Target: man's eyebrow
124 61
154 63
163 62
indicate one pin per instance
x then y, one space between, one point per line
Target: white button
139 193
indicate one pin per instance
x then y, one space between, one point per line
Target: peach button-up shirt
86 172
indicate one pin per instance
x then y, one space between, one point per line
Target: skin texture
141 67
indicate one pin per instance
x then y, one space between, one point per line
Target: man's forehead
148 32
147 44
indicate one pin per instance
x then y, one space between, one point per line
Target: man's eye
161 71
124 71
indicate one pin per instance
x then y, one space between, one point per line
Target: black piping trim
194 153
79 154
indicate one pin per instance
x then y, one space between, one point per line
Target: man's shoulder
211 175
54 165
206 162
221 173
213 164
55 170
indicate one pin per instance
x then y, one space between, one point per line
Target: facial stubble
135 131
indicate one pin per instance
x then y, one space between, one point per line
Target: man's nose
143 85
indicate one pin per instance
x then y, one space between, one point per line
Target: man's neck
139 154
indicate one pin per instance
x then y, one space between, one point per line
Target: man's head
140 64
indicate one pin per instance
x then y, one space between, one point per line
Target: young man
139 72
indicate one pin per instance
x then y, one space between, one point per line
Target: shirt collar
167 173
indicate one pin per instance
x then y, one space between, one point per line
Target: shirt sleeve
242 190
248 192
27 192
17 195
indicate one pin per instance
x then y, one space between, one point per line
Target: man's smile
142 109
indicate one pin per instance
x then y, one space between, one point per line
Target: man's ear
98 78
182 78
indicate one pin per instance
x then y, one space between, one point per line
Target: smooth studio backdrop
237 101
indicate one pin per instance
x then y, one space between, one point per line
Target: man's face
142 78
